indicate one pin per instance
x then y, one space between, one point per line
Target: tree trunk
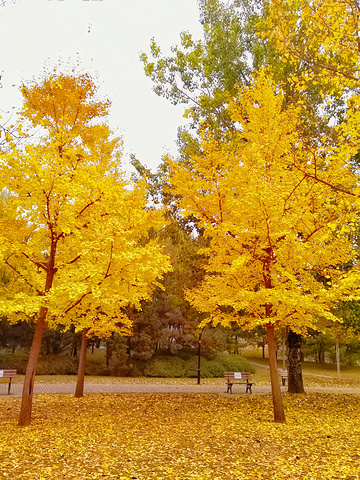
79 391
28 388
337 348
295 380
109 351
279 414
321 353
284 352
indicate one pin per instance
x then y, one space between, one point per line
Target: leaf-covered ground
173 436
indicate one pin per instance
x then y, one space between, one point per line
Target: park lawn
178 436
314 374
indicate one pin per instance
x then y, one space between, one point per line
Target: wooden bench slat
8 374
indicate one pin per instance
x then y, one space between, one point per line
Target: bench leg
9 387
248 388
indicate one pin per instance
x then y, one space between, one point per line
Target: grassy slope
314 374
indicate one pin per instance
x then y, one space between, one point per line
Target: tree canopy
83 251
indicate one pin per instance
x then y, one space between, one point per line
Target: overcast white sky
107 36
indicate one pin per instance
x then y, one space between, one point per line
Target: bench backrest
7 373
244 375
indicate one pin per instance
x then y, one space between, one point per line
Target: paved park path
140 385
125 387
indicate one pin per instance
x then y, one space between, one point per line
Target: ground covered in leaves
178 436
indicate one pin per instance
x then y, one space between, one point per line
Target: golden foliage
84 252
276 210
181 437
320 37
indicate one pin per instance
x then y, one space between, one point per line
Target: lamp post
199 362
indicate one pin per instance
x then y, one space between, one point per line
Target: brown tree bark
279 413
295 380
109 351
337 351
79 391
28 388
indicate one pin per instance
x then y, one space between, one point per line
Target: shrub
211 368
171 366
165 367
218 366
17 360
182 365
234 363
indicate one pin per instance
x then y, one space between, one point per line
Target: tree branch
20 275
38 264
317 179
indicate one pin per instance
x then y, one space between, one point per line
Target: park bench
238 378
284 376
8 375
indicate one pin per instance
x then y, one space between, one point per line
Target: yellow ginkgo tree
83 252
321 37
277 235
